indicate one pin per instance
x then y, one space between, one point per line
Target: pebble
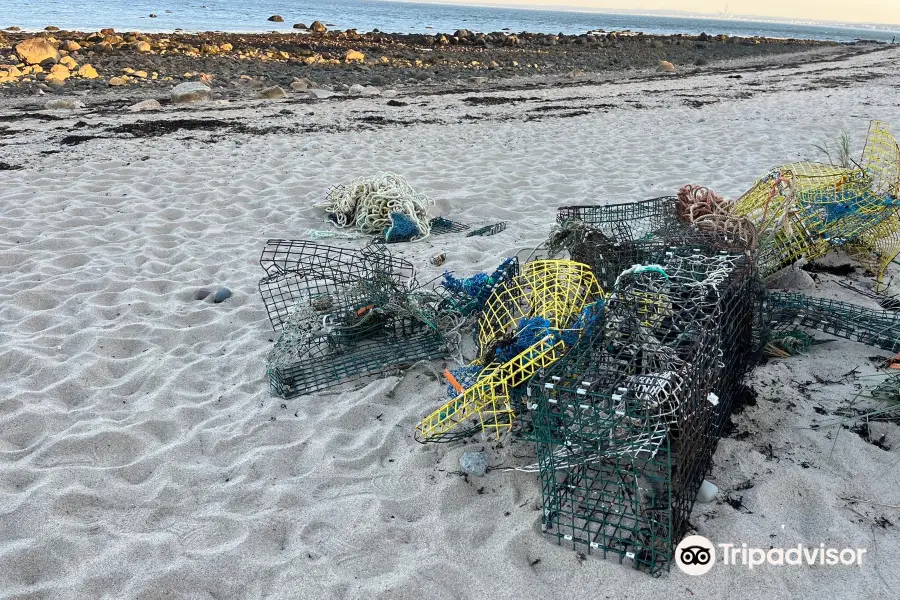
272 93
707 492
221 295
145 105
202 293
63 104
312 146
438 259
474 463
665 67
319 94
190 91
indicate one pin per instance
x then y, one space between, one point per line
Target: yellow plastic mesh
804 209
557 290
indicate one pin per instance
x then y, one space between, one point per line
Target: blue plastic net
402 229
478 287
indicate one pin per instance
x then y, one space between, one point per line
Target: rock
152 15
389 94
665 67
226 47
318 94
276 19
312 146
145 105
300 26
202 293
272 93
707 492
221 295
34 51
361 90
190 91
51 28
474 463
68 62
317 27
300 84
792 279
88 72
141 46
462 34
118 81
108 31
479 80
511 40
58 73
354 56
70 46
141 74
63 104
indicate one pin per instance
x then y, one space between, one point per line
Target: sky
863 11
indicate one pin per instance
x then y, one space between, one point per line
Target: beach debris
370 204
707 492
788 343
190 91
438 259
804 210
221 295
548 307
402 229
35 51
468 295
343 314
441 225
488 229
627 421
474 463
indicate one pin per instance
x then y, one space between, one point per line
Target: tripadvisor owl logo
695 555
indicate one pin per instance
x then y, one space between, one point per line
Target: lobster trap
343 314
627 422
805 209
528 323
611 238
786 312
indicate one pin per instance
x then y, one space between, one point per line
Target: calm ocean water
365 15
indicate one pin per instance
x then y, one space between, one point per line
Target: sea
395 17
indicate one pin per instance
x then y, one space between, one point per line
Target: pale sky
866 11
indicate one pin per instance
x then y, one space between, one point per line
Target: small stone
202 293
314 145
152 15
438 259
276 19
707 492
145 105
118 81
361 90
34 51
59 73
300 26
190 91
318 94
792 279
88 72
298 85
389 94
272 93
70 46
221 295
226 47
68 62
318 27
354 56
665 67
51 28
63 104
479 80
474 463
142 46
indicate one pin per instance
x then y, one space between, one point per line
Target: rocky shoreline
144 65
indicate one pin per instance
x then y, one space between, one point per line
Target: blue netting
590 319
402 229
479 286
467 376
530 331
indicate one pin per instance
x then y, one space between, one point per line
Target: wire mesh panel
344 314
879 328
627 422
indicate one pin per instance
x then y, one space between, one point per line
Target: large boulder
88 72
318 27
272 93
190 91
70 46
354 56
34 51
276 19
300 26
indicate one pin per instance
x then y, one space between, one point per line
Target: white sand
141 455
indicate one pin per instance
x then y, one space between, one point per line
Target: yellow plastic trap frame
802 210
557 290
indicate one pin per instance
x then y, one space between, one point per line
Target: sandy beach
142 455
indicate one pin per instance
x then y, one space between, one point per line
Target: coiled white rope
367 203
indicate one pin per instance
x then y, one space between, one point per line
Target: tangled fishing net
707 212
380 204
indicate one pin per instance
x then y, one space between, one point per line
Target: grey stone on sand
272 93
319 94
145 105
474 463
202 293
221 295
190 91
792 279
362 90
63 104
